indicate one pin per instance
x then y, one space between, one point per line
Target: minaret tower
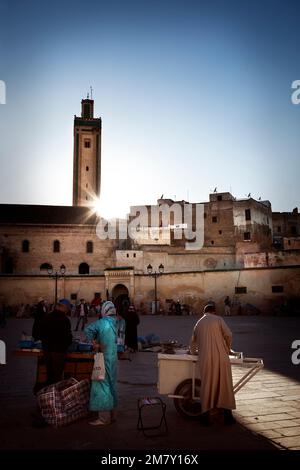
87 155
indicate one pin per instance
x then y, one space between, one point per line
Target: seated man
211 340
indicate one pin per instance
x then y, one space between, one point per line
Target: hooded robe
211 340
104 393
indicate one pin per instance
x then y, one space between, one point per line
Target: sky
193 95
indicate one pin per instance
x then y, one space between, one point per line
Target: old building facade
246 251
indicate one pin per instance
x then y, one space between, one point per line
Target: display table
78 365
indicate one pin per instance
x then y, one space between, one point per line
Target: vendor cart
178 379
78 365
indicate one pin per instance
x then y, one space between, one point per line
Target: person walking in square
132 320
82 313
227 305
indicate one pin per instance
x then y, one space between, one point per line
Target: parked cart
178 379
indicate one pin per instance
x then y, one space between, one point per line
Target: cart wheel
187 407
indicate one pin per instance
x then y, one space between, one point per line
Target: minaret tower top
87 155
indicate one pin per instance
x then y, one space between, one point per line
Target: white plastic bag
98 372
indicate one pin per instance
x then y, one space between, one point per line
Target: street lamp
155 274
56 275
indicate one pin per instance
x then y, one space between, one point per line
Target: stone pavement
268 407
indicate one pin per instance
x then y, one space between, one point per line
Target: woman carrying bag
103 397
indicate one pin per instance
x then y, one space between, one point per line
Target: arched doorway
119 293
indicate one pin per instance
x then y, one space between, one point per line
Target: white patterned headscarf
108 309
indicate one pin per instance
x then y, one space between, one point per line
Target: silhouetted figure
132 320
227 305
56 337
178 309
39 314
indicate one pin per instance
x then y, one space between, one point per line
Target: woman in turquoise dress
103 332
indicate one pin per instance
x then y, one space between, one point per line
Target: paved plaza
268 407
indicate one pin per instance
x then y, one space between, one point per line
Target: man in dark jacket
56 338
39 316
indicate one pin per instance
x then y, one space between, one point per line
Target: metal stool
157 402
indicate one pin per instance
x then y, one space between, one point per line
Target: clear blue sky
193 95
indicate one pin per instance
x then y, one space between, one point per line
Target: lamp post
56 275
155 274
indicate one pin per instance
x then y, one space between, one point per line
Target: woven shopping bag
98 372
64 402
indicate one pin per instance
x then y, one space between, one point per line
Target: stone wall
275 258
178 260
15 290
196 289
73 248
192 288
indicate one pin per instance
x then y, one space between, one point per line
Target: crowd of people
115 331
84 309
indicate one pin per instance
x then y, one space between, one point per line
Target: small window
241 290
279 229
212 242
25 246
289 242
86 185
214 219
73 296
89 247
220 232
87 168
247 236
205 215
134 255
248 214
86 197
87 143
83 268
127 255
56 246
294 230
45 266
219 198
277 289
